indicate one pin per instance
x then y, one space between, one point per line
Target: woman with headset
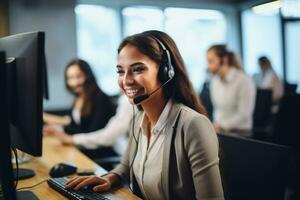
232 92
173 148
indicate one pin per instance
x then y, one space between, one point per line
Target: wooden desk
53 153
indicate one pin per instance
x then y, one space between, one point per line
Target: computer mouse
62 169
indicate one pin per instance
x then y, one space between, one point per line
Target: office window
292 52
261 36
98 37
194 31
139 19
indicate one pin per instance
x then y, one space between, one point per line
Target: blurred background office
92 30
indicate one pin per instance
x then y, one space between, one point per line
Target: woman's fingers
88 181
79 182
103 187
75 181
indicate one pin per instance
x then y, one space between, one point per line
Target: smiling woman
136 73
173 150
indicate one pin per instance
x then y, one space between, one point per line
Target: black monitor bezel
27 49
6 172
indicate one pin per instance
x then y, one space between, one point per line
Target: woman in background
232 92
91 108
173 148
268 79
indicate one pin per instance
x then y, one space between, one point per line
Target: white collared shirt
147 165
113 134
76 115
233 100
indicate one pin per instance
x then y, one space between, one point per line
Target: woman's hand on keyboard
97 183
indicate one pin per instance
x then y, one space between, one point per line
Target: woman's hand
55 119
98 183
51 130
61 135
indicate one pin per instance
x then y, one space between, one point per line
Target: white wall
57 19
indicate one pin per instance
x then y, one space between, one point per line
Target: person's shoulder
193 123
243 77
188 114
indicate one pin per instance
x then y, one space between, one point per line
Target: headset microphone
139 99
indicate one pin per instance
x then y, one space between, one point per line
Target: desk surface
53 153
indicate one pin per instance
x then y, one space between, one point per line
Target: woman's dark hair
263 60
222 52
179 88
89 87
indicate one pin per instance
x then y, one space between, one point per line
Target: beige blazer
190 163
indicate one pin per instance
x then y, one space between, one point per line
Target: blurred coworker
232 92
267 79
91 109
113 134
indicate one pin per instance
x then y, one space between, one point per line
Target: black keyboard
58 184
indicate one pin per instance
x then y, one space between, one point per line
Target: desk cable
30 187
17 174
17 165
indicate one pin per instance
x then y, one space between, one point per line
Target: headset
166 70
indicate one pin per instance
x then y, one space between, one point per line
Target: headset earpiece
166 70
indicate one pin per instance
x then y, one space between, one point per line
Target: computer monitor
26 81
6 174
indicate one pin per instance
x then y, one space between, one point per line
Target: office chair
290 88
252 169
262 109
286 127
262 114
286 130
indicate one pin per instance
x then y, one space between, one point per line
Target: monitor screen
6 174
26 83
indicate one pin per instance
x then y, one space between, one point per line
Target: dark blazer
102 110
191 162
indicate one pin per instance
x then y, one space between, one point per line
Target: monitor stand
23 173
26 195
